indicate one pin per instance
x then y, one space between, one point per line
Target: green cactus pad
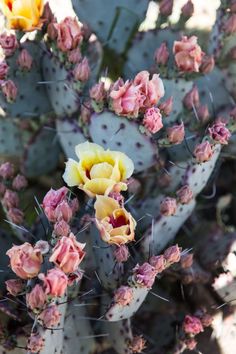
10 139
118 133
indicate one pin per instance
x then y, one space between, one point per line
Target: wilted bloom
166 7
50 316
186 260
144 275
52 200
176 133
68 254
19 182
166 107
7 170
61 228
208 64
192 98
10 199
153 120
42 246
123 295
25 60
203 152
184 194
121 253
161 55
99 171
75 277
115 224
158 262
168 206
23 15
74 56
14 286
230 24
25 261
36 299
172 254
82 70
188 54
190 343
15 215
137 344
3 69
220 133
188 9
55 282
192 325
97 92
9 90
69 34
9 43
35 343
203 113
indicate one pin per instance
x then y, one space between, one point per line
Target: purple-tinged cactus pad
10 139
121 134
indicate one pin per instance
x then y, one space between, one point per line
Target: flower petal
71 175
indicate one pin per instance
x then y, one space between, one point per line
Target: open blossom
36 299
161 55
168 206
35 343
123 295
98 171
50 316
203 152
138 344
220 133
176 133
23 14
55 282
69 34
192 325
68 254
9 90
3 69
25 261
25 60
144 275
14 286
9 43
153 120
188 54
82 70
151 89
192 98
115 224
184 194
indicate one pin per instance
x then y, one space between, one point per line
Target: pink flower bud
42 246
10 199
144 275
121 253
85 112
186 260
192 98
3 69
50 316
14 286
203 152
206 320
166 7
158 262
161 55
55 282
176 133
184 194
220 133
230 25
190 343
19 182
47 14
97 92
74 204
61 228
208 64
15 215
203 113
123 295
63 212
188 54
172 254
51 200
168 206
69 34
82 71
153 120
36 299
9 90
7 170
166 107
74 56
52 31
25 60
188 9
8 44
138 344
2 189
192 325
35 343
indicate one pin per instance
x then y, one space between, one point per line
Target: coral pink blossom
168 206
14 286
203 152
188 54
192 325
9 90
161 55
25 60
25 261
123 295
176 133
8 44
184 194
82 71
68 254
69 34
172 254
35 343
220 133
50 316
158 262
3 69
138 344
144 275
55 282
36 298
153 120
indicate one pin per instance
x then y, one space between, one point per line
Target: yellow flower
23 14
98 171
115 224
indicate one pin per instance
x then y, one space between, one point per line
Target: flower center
120 220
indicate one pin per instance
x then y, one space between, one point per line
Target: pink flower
14 286
25 60
36 299
153 120
97 92
220 133
166 107
190 343
35 343
51 200
176 133
9 90
138 344
161 55
192 325
166 7
208 64
121 253
152 90
52 30
15 215
144 275
55 282
74 278
68 254
186 260
69 34
188 54
230 24
168 206
8 44
63 211
25 261
3 69
158 262
19 182
47 13
82 71
172 254
10 199
192 98
123 295
61 228
74 56
188 9
7 170
50 316
184 194
203 152
203 113
42 246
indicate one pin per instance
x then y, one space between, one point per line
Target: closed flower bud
144 275
172 254
61 228
9 44
161 55
74 56
166 107
19 182
190 343
186 260
10 199
192 325
123 295
82 71
121 253
203 113
168 206
50 316
14 286
184 194
220 133
176 133
35 343
166 7
208 64
3 69
25 60
52 31
16 216
7 170
203 152
97 92
192 98
158 262
9 90
137 344
2 189
188 9
230 25
47 14
63 212
36 299
153 120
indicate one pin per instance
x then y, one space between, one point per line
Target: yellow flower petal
98 186
83 149
105 206
101 170
71 175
